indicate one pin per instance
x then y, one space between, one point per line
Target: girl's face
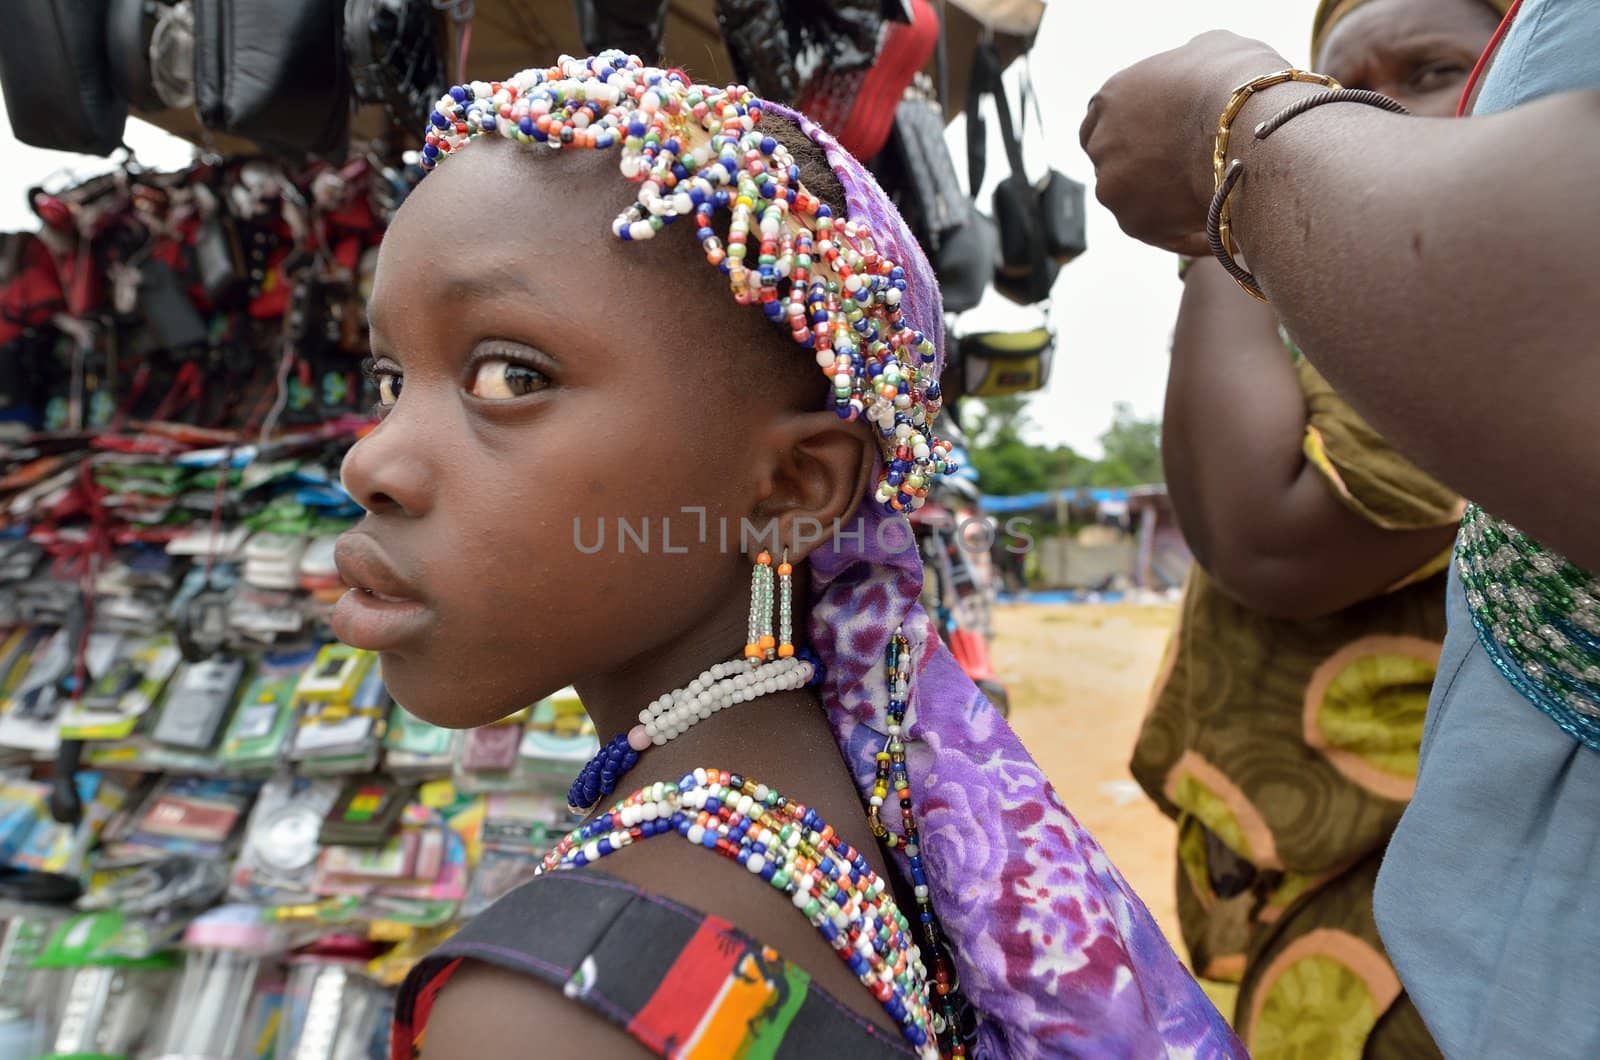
539 378
1419 52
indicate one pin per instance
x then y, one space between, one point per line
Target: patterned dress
1286 751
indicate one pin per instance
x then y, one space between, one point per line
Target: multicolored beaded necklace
695 151
1538 617
793 849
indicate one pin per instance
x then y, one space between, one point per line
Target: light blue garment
1489 896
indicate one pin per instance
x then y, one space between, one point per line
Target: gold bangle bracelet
1219 154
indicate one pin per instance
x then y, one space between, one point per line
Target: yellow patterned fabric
1286 751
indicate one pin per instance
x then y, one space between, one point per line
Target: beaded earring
785 608
760 643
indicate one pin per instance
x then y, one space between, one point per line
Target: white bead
800 899
746 804
651 729
645 716
630 815
647 811
700 777
922 890
755 864
761 793
659 740
592 850
696 834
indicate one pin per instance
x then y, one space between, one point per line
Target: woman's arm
1441 274
1258 516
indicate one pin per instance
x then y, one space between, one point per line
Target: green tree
1008 464
1132 450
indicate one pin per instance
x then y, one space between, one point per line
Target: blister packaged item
259 733
341 738
198 702
196 816
278 859
366 813
336 675
330 1011
30 719
518 829
415 748
113 705
559 737
31 839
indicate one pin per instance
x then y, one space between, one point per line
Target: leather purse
1041 226
274 73
959 241
56 76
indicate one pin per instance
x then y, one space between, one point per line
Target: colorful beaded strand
891 771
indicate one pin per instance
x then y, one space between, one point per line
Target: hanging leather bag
274 73
56 76
1040 225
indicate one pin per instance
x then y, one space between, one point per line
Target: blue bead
713 805
579 860
709 840
439 120
458 93
605 847
768 145
768 871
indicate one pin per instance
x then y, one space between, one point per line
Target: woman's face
541 377
1419 52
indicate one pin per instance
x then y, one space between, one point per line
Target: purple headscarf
1052 947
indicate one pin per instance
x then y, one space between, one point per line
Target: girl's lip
375 622
381 611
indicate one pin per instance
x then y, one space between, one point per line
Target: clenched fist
1149 133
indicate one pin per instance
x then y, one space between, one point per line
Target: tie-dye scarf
1054 950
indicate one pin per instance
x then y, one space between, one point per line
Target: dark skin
613 380
1278 539
1436 271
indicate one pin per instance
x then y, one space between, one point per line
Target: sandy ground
1079 678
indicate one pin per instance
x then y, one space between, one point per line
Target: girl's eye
389 386
501 380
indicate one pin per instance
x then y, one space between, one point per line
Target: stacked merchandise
219 836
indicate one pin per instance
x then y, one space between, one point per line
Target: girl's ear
819 469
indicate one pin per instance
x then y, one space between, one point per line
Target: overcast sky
1113 307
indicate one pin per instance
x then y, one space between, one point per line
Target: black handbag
274 73
56 76
1040 226
395 56
960 242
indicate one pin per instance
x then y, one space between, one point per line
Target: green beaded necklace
1538 616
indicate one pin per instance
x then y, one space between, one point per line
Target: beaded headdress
695 152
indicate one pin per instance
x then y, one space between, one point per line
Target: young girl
549 368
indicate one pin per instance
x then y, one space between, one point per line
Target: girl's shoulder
580 950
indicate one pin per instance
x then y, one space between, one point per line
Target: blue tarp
1029 502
